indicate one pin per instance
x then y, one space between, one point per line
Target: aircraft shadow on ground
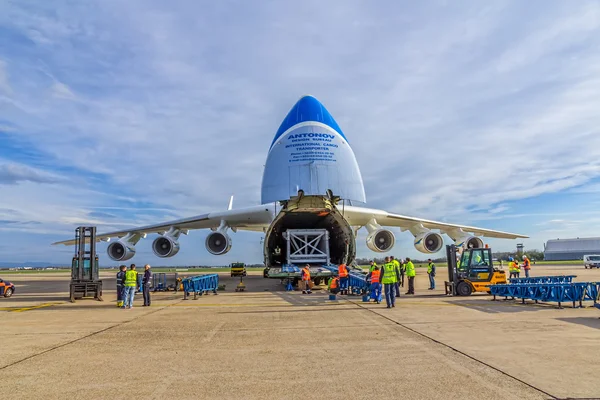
502 306
590 322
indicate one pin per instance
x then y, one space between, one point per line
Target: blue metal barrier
544 279
357 283
200 285
550 292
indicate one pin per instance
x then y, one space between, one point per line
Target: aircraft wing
251 219
359 216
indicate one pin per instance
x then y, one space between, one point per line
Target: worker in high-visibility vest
334 285
410 274
306 279
526 265
375 285
373 265
513 268
397 266
389 276
129 286
344 279
431 273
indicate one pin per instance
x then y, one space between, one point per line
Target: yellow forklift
475 271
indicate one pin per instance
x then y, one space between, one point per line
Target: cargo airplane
310 170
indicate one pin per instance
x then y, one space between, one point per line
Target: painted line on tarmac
84 337
372 310
21 309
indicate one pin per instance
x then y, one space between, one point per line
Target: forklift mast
85 271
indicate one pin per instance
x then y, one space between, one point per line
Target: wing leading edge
250 219
358 216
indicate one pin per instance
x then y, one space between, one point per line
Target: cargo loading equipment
303 246
85 272
475 273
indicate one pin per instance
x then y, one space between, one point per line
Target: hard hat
510 258
524 257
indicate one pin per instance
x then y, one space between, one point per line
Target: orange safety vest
334 283
526 264
342 271
375 276
306 276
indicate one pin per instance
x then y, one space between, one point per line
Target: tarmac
266 343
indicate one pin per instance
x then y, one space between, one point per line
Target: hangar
570 249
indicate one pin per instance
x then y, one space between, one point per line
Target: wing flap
358 216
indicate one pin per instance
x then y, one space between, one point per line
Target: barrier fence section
544 279
200 284
357 283
575 292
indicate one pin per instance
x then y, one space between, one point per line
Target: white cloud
466 108
4 81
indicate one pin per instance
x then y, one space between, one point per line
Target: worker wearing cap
410 274
389 276
343 274
397 266
431 273
526 265
375 285
306 279
130 284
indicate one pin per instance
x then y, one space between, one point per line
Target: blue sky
126 113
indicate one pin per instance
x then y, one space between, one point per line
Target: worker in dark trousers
410 274
397 266
146 282
402 271
120 281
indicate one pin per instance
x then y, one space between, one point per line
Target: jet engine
381 240
120 251
468 242
165 246
218 243
429 242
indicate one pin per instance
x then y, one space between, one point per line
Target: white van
591 261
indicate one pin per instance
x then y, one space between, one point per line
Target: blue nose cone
307 109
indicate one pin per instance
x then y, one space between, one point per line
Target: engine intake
469 242
165 246
218 243
381 240
120 251
429 242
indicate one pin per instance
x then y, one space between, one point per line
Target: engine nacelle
468 242
218 243
120 251
165 246
381 240
429 242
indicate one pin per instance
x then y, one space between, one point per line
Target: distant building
570 249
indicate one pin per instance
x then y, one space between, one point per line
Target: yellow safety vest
389 274
410 269
429 268
396 264
372 268
131 278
